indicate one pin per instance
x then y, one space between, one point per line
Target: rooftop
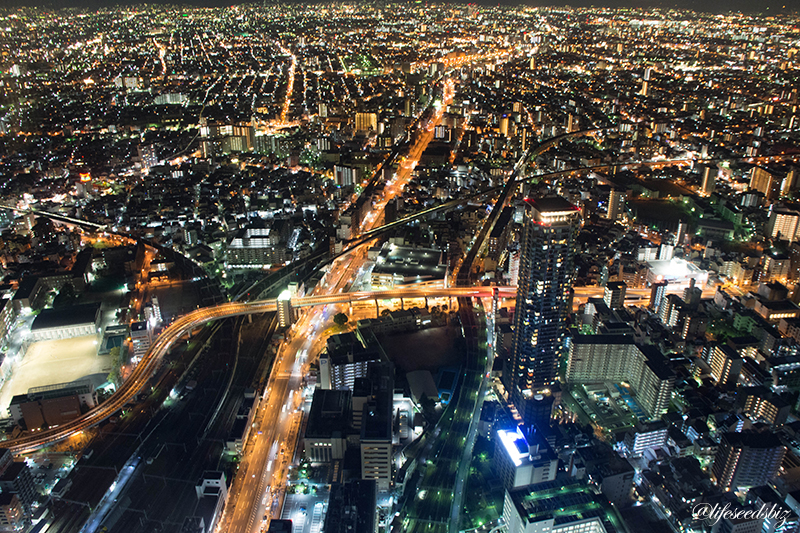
676 269
563 503
330 413
551 204
66 316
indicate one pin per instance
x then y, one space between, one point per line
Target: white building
556 507
521 461
255 248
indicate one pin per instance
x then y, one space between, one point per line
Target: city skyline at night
400 267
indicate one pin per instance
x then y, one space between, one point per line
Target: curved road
152 359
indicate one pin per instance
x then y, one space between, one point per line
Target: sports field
51 362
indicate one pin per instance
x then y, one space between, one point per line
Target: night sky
766 7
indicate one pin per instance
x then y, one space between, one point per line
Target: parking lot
602 406
306 511
48 469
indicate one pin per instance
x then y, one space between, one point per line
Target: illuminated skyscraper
616 204
547 268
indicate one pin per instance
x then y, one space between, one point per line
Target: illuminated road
259 486
270 444
287 100
406 168
151 361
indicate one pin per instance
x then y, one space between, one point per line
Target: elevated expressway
185 324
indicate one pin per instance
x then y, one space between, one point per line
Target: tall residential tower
547 269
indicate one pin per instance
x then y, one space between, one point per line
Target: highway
150 361
268 450
258 489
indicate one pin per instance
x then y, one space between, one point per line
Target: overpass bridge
174 332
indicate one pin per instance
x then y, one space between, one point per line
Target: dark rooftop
66 316
551 204
330 413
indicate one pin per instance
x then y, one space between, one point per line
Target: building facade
547 269
747 459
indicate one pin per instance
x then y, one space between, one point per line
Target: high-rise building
17 479
353 507
680 234
559 507
657 293
747 459
376 428
521 460
789 181
782 224
614 294
616 204
726 364
152 313
345 176
12 514
141 339
669 310
504 125
547 268
366 122
285 311
764 181
513 268
616 358
709 181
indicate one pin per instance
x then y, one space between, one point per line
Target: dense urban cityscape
377 267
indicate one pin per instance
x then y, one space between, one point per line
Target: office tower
522 459
547 268
614 294
747 459
709 181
